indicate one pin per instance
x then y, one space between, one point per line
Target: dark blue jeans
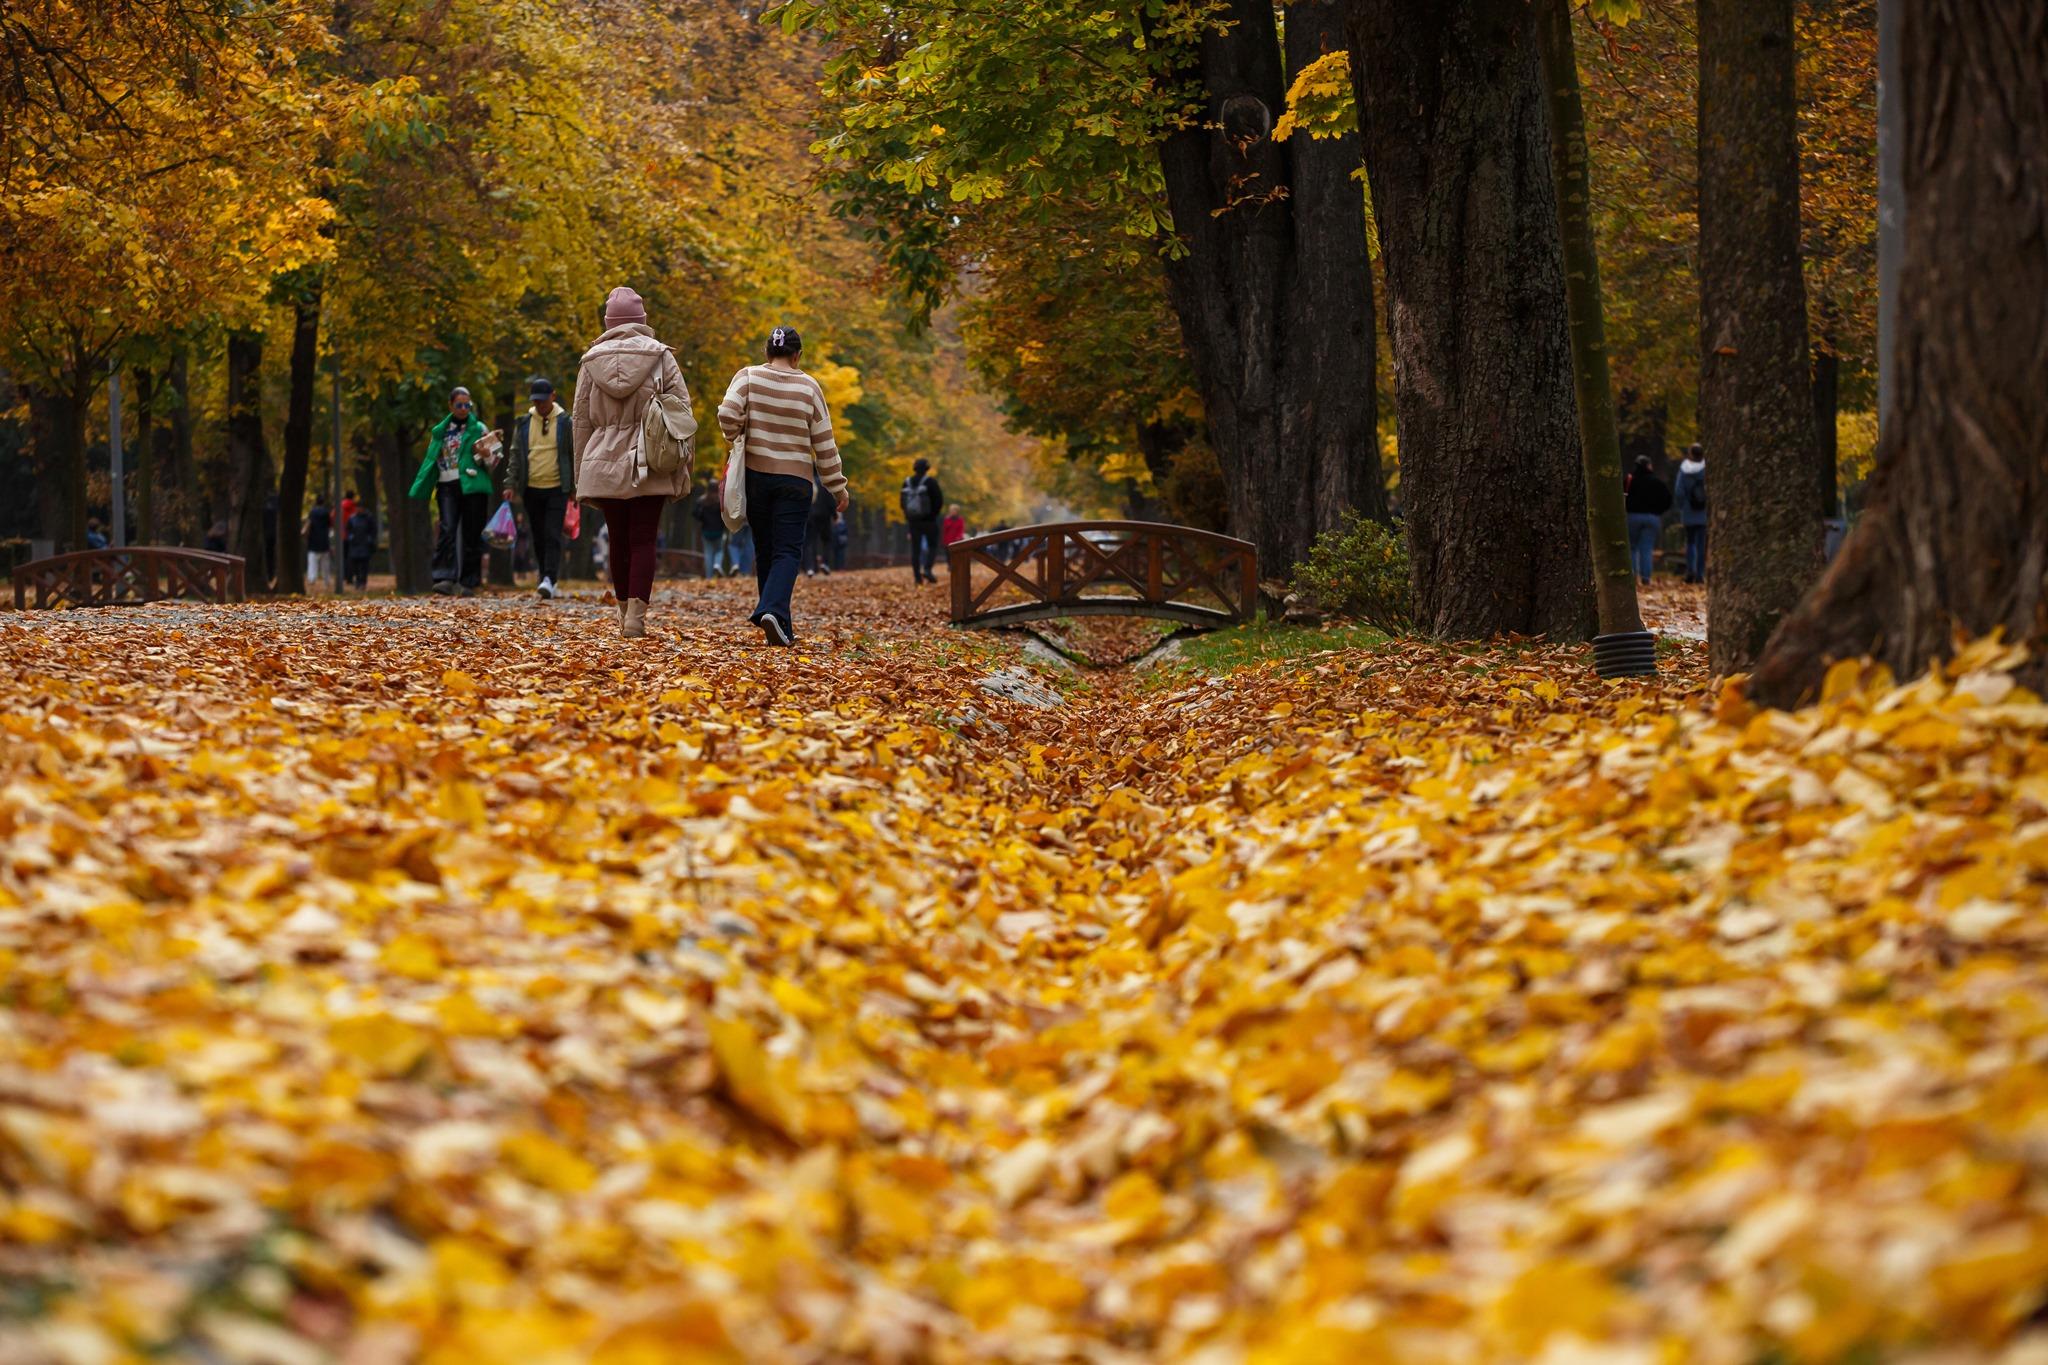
1643 530
1696 553
924 548
779 514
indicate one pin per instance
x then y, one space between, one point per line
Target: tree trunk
188 517
1827 402
1451 107
404 528
1764 532
1273 292
46 425
248 454
298 442
72 450
145 456
1955 533
1614 579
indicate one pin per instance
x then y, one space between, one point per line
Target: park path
441 980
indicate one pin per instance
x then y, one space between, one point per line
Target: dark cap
538 387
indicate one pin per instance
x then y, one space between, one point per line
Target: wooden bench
138 573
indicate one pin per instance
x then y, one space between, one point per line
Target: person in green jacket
451 468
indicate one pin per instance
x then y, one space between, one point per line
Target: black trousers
779 511
924 548
544 509
462 515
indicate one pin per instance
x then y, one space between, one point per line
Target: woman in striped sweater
789 444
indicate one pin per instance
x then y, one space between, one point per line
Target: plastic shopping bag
572 520
501 530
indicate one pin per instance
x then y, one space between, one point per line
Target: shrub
1360 569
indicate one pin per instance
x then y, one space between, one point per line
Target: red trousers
634 525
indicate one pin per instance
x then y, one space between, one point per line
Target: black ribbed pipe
1626 654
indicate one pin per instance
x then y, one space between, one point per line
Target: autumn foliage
396 982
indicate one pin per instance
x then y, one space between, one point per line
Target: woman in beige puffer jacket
619 376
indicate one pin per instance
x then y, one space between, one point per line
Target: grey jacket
565 451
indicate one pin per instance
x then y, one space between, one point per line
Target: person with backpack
543 470
718 562
781 414
1690 493
451 471
921 500
1647 498
622 465
359 542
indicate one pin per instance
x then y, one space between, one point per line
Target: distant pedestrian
921 500
319 544
462 487
824 510
544 470
710 514
841 534
1647 499
1690 493
359 542
952 529
95 538
789 446
348 514
620 376
740 545
216 537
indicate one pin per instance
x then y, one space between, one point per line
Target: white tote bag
733 497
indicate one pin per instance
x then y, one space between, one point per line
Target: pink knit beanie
622 306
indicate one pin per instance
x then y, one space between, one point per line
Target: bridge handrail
104 572
1068 563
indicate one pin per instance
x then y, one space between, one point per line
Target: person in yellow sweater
544 470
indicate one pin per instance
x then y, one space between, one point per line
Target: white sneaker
547 587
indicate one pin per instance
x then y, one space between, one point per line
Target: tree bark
298 441
1954 536
1451 108
145 456
188 507
1273 292
1614 579
1827 403
404 526
248 453
72 449
46 424
1764 531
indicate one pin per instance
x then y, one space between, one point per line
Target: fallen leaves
466 986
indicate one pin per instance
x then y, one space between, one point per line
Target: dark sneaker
444 587
468 591
775 631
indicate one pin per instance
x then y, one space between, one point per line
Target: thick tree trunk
1764 532
46 426
1614 580
72 451
1954 536
248 454
298 443
1456 146
1273 293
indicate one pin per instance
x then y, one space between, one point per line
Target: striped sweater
789 428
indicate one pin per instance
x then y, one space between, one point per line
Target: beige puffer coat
619 376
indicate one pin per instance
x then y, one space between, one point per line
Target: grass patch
1264 641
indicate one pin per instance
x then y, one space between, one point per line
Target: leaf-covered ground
446 981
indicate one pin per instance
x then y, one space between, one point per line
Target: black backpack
917 498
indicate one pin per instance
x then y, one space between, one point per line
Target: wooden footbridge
140 573
1104 568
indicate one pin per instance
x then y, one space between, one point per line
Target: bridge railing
136 573
1103 568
